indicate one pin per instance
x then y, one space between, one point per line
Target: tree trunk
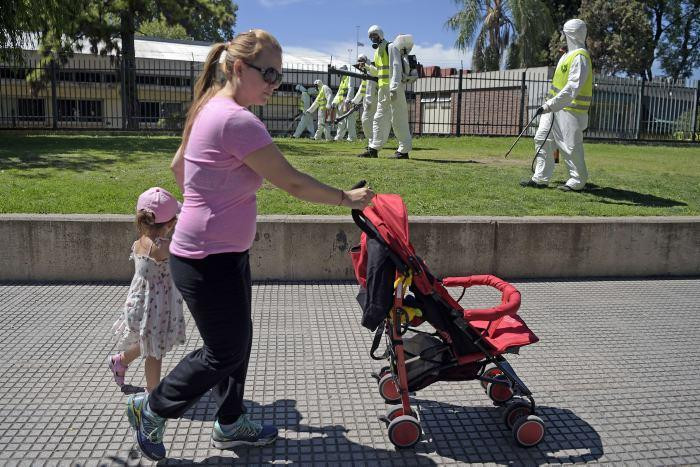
130 97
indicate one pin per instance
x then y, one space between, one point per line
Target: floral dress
152 314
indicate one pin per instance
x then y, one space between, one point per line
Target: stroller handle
357 215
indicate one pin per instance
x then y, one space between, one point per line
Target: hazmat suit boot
531 184
399 155
369 152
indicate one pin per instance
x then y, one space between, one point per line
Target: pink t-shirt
218 215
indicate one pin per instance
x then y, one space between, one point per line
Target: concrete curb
79 247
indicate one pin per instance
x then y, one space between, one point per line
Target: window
65 76
31 110
146 79
87 77
70 110
13 73
170 108
149 111
110 78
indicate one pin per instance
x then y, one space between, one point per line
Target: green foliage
493 27
619 36
679 50
160 28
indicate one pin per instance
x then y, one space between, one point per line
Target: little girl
151 323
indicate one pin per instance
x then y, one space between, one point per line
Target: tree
533 25
160 28
110 26
493 27
619 36
679 50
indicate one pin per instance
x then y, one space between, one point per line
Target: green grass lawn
445 176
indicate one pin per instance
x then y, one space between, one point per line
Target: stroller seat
510 332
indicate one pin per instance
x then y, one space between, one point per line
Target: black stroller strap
375 342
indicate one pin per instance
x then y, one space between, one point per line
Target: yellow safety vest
582 102
321 99
342 90
381 61
301 104
363 88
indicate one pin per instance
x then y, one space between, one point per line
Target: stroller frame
496 375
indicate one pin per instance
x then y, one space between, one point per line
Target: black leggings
217 290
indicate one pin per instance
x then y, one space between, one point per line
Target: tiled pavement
616 375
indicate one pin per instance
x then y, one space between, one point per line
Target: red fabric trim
510 297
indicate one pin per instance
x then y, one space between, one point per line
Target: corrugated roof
164 49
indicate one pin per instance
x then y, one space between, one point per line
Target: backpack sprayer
361 76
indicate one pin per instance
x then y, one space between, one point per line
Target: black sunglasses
269 75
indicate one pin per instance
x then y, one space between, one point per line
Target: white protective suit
369 102
567 127
324 127
306 122
392 110
349 124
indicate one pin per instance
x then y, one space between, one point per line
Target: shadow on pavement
479 435
318 444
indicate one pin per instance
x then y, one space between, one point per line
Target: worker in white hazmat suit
565 113
367 95
382 116
306 121
392 110
322 105
341 101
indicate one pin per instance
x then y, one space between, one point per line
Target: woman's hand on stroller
358 198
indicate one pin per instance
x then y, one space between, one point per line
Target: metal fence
89 94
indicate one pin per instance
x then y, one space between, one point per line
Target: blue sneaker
244 432
148 427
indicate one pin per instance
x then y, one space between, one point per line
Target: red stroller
466 344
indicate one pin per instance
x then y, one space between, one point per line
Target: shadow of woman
479 435
301 443
629 197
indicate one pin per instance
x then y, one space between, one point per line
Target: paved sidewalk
616 376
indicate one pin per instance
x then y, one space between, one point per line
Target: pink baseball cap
159 202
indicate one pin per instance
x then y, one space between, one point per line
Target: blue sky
330 27
325 27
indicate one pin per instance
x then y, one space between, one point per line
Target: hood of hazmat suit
575 32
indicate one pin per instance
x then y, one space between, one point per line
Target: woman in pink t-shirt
225 155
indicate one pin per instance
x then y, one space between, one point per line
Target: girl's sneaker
244 432
118 369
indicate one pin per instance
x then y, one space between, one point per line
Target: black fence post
54 98
640 101
328 76
521 114
191 81
122 78
459 103
694 124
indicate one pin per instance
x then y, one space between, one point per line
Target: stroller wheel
500 393
389 390
490 373
516 410
404 431
528 431
396 411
